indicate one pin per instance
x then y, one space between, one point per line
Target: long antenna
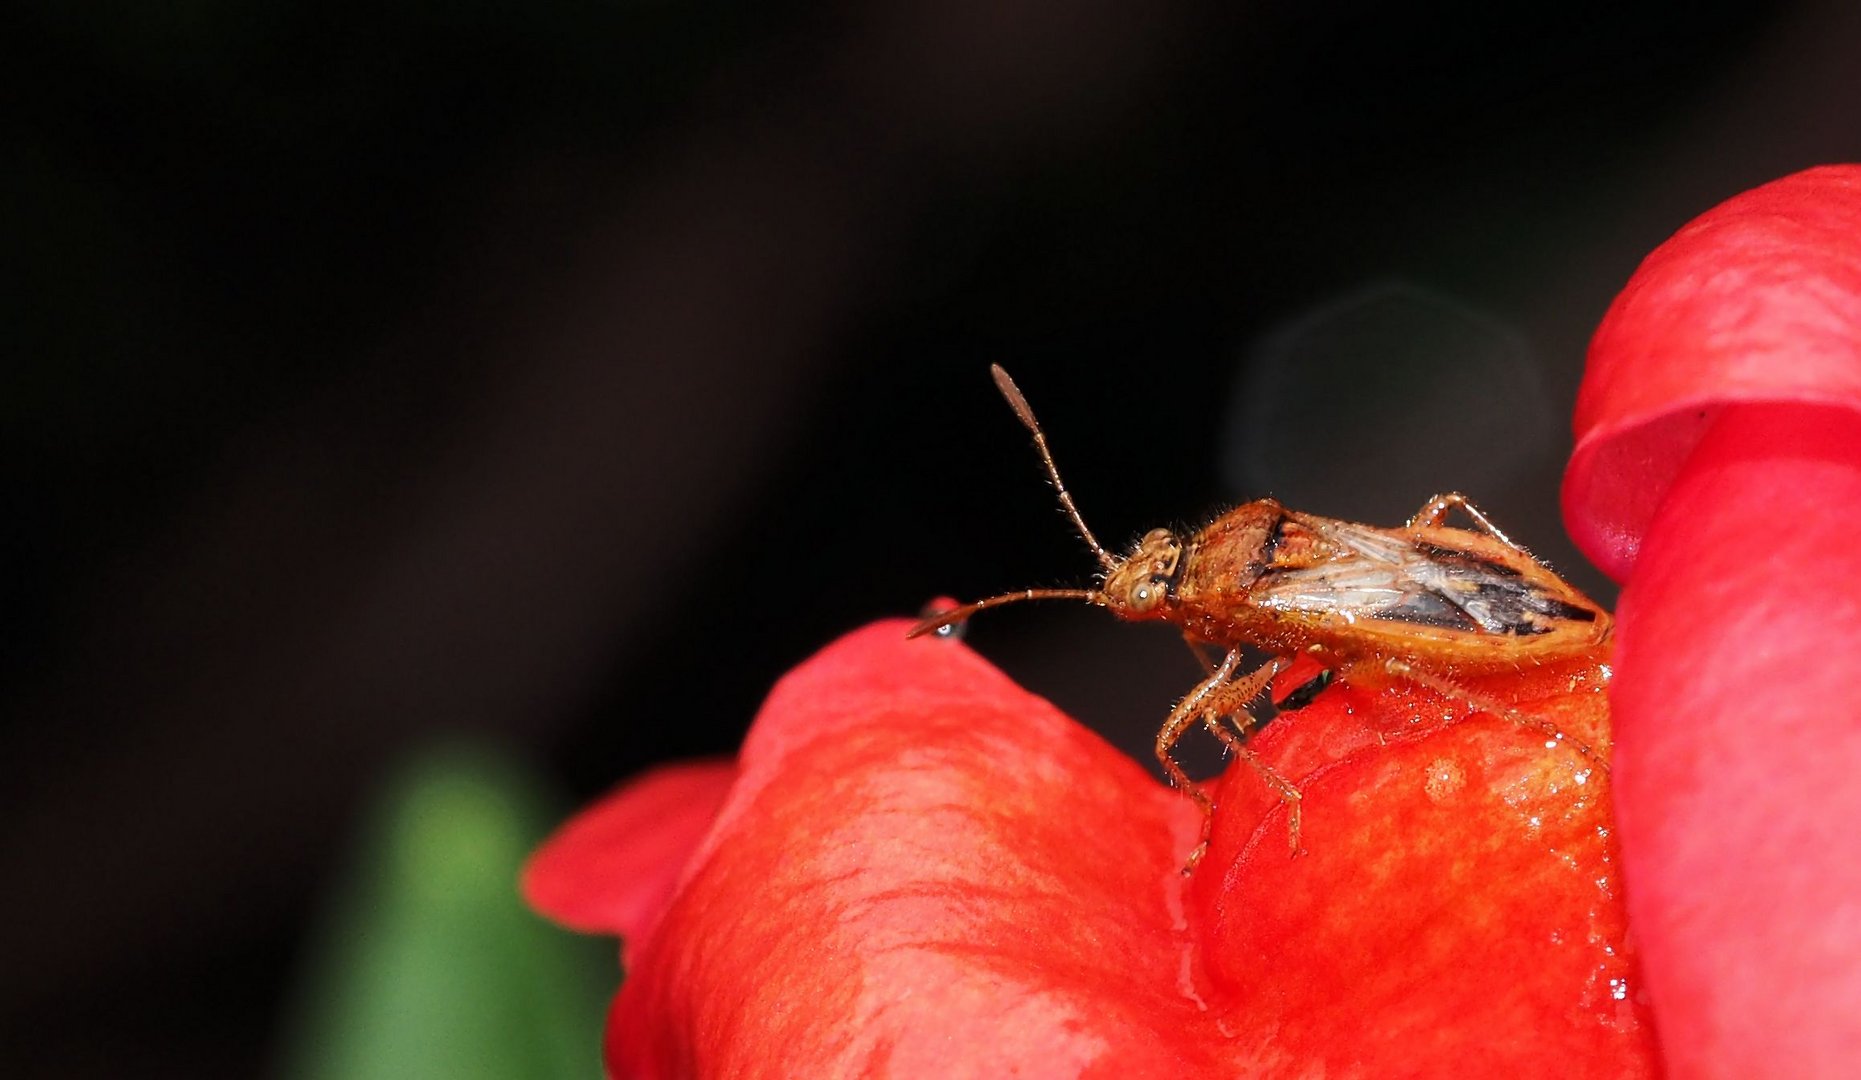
1019 404
958 614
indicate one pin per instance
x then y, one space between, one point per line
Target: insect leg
1435 511
1233 700
1208 666
1212 700
1186 712
1450 689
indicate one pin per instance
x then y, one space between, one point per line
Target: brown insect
1423 603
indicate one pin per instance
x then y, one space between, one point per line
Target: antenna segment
1019 404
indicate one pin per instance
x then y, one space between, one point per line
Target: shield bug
1423 602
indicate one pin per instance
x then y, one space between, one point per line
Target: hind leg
1452 690
1436 510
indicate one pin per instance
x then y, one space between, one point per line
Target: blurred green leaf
430 965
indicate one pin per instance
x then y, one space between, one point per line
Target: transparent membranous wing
1377 575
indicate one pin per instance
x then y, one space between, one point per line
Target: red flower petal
1457 896
1721 417
1736 703
926 871
612 869
1758 300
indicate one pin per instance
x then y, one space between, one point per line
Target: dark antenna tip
1019 404
1016 400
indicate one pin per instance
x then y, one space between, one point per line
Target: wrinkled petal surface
1718 473
925 871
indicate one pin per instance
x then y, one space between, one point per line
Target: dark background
561 374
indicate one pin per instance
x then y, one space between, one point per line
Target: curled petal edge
1756 301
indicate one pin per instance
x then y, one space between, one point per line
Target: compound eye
1155 536
1146 595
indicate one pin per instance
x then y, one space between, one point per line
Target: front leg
1235 700
1201 658
1184 714
1212 699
